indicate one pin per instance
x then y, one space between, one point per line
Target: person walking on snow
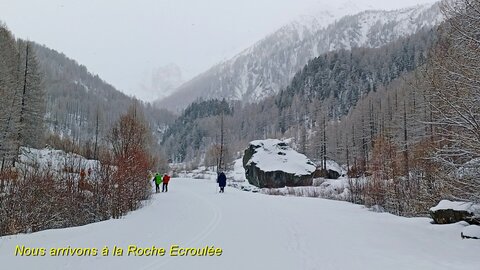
158 180
222 181
166 179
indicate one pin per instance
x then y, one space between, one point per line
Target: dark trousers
157 188
165 187
222 189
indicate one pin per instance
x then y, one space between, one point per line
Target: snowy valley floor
255 231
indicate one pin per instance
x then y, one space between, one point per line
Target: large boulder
272 163
452 212
332 171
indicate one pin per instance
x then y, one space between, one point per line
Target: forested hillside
343 77
325 90
197 129
81 106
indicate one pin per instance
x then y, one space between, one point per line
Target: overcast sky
123 40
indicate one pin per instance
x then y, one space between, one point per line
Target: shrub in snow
272 163
377 208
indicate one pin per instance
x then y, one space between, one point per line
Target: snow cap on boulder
275 155
468 207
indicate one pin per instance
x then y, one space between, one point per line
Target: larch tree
8 94
32 99
22 96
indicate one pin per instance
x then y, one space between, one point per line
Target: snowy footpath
254 231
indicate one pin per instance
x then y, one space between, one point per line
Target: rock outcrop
273 164
471 232
447 212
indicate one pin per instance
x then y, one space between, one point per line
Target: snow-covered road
255 231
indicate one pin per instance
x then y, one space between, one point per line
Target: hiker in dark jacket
222 181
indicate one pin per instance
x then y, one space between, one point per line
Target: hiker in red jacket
166 179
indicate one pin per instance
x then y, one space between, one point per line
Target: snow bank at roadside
335 189
201 172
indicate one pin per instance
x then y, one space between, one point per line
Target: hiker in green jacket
158 180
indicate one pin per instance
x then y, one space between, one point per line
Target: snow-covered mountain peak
315 21
321 16
270 64
162 81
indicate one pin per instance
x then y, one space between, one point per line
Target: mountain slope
269 65
255 231
75 97
343 77
161 82
330 85
188 133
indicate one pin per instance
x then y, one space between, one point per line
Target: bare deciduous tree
454 95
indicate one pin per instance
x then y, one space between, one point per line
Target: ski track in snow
298 245
255 231
196 241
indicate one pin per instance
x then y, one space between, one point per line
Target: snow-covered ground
56 160
255 231
335 189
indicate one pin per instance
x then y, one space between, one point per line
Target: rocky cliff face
273 164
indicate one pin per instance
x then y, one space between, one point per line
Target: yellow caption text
130 250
